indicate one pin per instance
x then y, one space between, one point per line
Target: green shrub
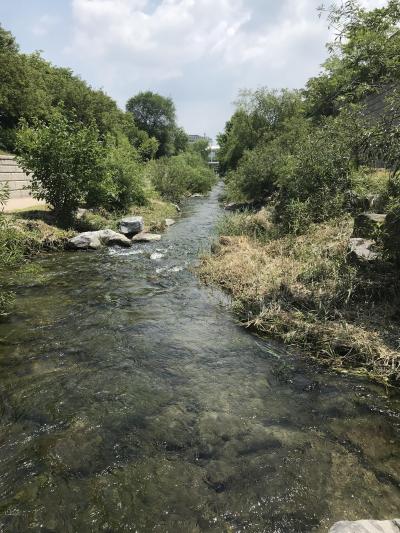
181 175
257 173
122 184
93 221
318 175
66 160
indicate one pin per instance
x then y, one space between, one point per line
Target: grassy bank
305 291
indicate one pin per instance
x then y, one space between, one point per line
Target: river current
131 400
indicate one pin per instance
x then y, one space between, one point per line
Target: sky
199 52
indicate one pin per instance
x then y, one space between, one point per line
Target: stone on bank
131 225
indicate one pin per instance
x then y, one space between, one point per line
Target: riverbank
26 233
305 291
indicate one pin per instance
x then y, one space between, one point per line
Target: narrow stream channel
132 401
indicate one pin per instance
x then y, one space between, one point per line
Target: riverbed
131 400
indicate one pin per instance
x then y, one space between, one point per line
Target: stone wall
16 178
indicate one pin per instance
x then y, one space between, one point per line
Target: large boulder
93 240
89 240
367 526
146 237
368 225
113 238
131 226
362 250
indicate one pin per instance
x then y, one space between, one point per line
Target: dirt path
22 203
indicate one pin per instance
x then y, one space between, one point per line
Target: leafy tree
7 41
180 175
260 115
316 177
181 140
364 56
156 115
122 184
66 159
201 148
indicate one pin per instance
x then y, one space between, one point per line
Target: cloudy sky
199 52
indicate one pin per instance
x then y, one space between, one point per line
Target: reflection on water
131 401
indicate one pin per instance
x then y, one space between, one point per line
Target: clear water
132 401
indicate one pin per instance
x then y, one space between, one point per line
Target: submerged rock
362 250
146 237
156 256
131 225
367 526
93 240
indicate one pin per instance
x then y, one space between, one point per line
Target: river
132 401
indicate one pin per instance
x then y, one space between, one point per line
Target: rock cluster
131 231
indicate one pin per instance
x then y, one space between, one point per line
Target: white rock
93 240
85 241
146 237
362 249
169 222
367 526
131 225
156 256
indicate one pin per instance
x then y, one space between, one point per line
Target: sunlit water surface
132 401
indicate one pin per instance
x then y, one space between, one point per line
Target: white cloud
43 25
138 44
162 41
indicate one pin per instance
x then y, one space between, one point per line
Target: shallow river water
132 401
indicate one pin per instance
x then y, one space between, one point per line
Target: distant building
195 138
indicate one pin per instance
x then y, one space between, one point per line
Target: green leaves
66 158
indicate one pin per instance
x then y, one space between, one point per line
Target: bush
122 184
66 160
318 175
180 176
257 173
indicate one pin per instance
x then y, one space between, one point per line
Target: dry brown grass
304 291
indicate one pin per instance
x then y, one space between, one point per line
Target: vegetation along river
132 401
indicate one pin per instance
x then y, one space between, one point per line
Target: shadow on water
131 401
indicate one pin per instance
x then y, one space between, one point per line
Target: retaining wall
16 178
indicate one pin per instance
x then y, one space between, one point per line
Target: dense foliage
303 148
81 149
156 115
180 175
66 161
